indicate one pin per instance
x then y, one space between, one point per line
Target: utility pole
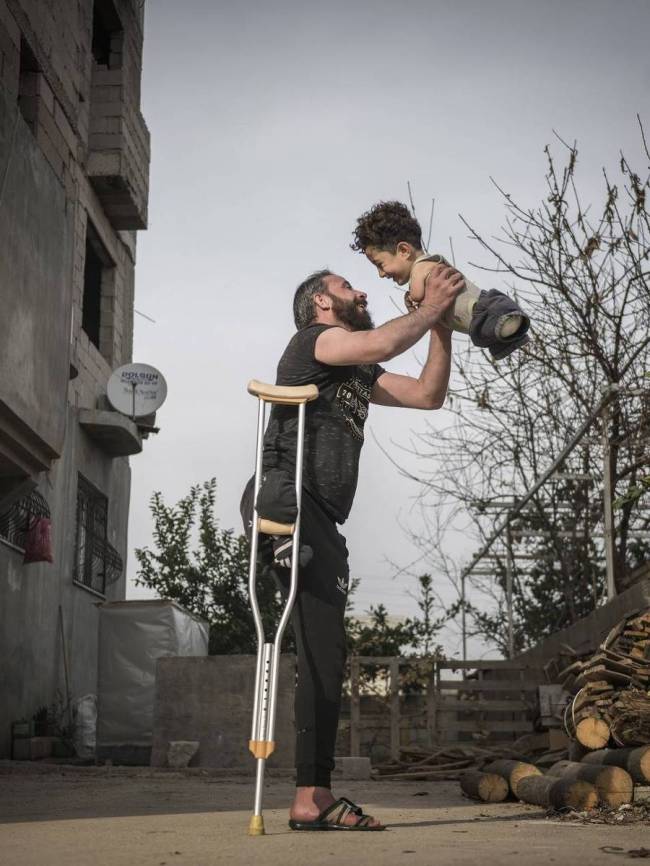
463 617
509 580
608 516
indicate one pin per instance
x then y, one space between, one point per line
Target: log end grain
486 787
592 733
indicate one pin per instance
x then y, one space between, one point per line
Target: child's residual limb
262 741
492 319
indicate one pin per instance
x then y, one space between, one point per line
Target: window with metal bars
97 564
17 520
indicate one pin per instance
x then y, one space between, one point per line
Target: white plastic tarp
132 635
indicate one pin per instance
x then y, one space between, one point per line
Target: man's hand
441 287
338 346
411 305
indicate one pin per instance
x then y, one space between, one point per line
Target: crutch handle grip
270 527
286 395
261 748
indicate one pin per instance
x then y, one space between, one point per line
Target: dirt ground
119 817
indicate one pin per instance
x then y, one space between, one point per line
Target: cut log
614 785
550 791
635 761
577 751
487 787
592 733
513 772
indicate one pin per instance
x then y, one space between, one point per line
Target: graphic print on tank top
352 399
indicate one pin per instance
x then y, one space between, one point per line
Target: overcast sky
273 126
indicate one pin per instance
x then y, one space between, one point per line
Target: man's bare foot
310 802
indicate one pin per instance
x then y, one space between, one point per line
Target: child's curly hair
384 226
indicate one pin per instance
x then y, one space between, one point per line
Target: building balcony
118 150
115 434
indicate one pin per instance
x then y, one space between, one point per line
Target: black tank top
333 426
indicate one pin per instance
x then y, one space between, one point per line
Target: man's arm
340 347
428 391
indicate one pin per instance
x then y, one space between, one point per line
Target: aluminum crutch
261 742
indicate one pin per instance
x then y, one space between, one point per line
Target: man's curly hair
384 226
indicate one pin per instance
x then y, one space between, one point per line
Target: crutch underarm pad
287 395
261 748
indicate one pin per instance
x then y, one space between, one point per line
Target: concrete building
74 163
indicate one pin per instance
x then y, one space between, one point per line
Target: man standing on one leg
336 348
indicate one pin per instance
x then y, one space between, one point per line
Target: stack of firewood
610 689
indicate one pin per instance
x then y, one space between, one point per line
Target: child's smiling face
396 266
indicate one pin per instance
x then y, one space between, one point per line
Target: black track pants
318 624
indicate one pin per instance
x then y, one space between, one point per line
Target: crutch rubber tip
256 826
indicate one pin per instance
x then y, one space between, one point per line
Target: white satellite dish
136 390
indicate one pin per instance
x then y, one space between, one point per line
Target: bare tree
581 273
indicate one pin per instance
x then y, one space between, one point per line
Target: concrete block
100 125
352 768
210 700
33 748
103 77
64 127
112 95
70 184
45 122
50 152
641 794
181 752
106 141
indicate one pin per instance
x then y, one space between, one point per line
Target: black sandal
333 817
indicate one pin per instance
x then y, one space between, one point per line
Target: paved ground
163 818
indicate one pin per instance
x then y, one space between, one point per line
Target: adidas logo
342 584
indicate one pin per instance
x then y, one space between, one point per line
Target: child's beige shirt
457 317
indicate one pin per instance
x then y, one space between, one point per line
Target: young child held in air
391 238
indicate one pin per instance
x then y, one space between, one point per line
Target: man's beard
352 314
